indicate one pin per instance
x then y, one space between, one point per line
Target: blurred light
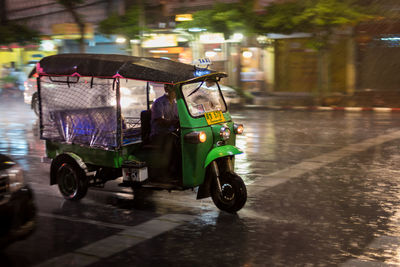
125 90
247 54
160 40
197 30
120 40
47 45
238 128
210 54
262 39
212 38
199 73
158 51
135 41
391 39
237 37
202 137
183 17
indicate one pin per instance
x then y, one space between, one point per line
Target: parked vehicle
92 137
17 209
30 92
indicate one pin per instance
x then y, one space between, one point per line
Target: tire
35 104
71 179
234 193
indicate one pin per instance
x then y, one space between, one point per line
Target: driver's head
210 82
169 89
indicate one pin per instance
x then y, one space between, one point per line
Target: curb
322 108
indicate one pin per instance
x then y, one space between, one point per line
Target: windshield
202 97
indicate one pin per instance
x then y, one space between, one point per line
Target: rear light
196 137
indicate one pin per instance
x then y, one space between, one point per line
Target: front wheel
71 180
35 104
233 193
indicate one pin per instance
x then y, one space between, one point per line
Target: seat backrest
145 120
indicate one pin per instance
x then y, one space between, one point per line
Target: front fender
221 151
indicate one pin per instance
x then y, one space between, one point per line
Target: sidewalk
367 100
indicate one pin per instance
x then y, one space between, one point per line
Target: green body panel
94 156
194 155
220 152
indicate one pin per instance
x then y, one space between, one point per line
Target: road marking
119 242
88 221
273 179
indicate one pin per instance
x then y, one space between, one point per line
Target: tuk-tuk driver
164 123
164 114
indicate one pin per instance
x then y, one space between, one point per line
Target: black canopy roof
111 66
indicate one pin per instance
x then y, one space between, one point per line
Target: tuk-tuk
95 118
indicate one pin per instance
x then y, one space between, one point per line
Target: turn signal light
196 137
202 137
239 129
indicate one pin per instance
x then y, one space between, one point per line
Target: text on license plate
214 117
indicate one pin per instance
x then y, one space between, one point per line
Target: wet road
324 189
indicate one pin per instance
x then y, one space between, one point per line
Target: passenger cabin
103 101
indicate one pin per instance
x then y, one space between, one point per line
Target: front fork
215 170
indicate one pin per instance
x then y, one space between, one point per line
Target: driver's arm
166 123
157 116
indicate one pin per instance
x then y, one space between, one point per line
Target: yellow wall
6 57
20 57
297 66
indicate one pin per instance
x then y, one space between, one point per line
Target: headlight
196 137
225 133
238 128
15 178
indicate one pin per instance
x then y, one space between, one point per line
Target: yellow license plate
214 117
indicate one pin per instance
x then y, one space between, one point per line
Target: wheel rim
227 193
68 181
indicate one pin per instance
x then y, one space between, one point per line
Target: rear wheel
71 180
35 104
233 193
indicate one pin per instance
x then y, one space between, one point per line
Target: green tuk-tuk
95 116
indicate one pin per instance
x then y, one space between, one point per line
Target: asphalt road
323 190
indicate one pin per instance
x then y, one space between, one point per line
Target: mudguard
221 151
218 152
59 159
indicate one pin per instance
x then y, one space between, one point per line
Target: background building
366 57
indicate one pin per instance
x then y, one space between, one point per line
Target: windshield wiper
195 90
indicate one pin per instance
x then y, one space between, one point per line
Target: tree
70 6
127 25
226 18
14 33
319 18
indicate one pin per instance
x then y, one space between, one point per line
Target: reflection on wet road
324 190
